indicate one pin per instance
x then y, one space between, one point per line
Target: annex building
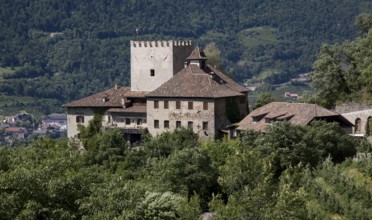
172 86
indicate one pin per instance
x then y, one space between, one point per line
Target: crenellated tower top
160 43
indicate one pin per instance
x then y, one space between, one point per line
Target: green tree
188 171
93 128
343 72
309 145
214 54
263 99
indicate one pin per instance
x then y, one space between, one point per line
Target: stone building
295 113
360 115
169 89
199 97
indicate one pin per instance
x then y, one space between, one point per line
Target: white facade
155 62
77 116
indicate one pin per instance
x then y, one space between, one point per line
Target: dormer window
257 118
269 120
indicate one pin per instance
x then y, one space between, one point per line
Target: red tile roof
296 113
14 129
197 54
194 82
109 98
132 109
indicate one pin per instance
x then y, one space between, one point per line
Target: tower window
152 72
166 104
205 105
191 105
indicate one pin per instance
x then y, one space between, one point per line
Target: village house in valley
172 86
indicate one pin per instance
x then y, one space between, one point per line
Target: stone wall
352 107
196 115
359 119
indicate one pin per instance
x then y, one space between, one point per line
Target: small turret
197 57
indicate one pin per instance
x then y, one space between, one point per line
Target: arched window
357 126
369 126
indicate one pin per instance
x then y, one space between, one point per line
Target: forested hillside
55 51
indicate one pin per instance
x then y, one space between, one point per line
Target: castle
172 86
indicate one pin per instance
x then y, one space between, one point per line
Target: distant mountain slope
64 50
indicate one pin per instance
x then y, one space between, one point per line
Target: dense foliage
344 72
302 174
56 51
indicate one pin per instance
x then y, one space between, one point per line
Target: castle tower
155 62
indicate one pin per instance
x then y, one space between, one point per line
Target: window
358 126
369 126
166 104
178 104
205 105
191 105
178 124
205 125
79 119
152 72
268 120
156 104
120 119
127 121
243 99
166 124
139 121
156 123
190 124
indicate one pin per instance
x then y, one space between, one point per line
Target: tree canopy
288 172
343 72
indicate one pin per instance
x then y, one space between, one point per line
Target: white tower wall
155 62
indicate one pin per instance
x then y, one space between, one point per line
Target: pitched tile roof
131 109
197 54
194 82
109 98
296 113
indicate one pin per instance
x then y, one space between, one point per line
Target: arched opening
357 128
369 126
